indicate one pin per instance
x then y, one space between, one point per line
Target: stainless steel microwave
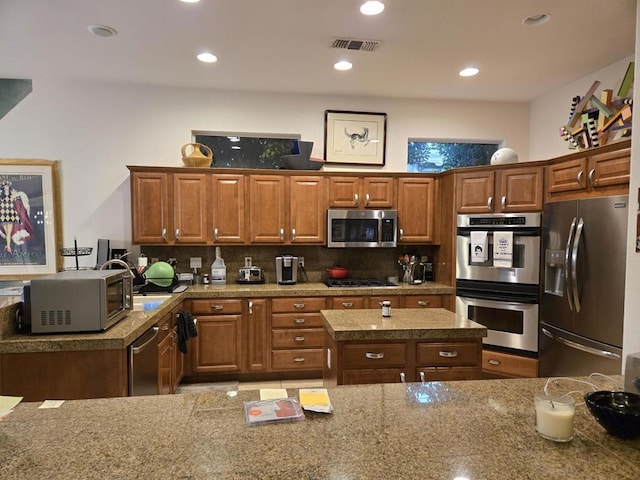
79 300
362 228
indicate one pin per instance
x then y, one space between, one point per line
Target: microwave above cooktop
362 228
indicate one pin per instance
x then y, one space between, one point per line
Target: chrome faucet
117 261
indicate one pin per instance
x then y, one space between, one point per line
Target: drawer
423 301
376 301
509 365
297 338
383 375
212 306
344 303
284 320
448 353
433 374
301 304
374 355
310 359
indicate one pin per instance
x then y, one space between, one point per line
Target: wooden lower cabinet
354 362
297 333
397 301
504 365
170 358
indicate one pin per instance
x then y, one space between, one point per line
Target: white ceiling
285 45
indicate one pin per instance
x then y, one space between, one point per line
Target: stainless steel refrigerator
582 305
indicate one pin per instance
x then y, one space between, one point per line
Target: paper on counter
503 249
51 404
315 400
479 247
7 404
273 393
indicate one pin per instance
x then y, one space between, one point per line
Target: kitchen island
412 344
442 430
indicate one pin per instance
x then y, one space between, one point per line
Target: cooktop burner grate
359 282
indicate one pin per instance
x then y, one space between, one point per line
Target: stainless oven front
526 231
510 313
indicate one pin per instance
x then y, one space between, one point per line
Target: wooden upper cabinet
150 207
267 208
590 173
228 208
190 208
416 210
361 192
307 210
516 189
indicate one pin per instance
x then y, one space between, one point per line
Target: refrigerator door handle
567 264
578 346
574 264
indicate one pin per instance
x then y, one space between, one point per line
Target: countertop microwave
78 300
362 228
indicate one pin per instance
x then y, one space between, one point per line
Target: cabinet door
307 210
228 208
609 169
267 204
377 192
218 346
416 210
475 192
190 207
177 369
257 335
520 190
149 207
344 192
567 176
165 380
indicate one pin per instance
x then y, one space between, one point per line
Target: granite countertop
466 429
404 324
136 323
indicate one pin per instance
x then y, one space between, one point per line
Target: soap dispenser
218 270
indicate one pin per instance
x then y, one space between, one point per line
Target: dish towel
503 249
479 250
186 329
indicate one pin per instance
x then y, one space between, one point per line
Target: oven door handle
574 265
567 263
578 346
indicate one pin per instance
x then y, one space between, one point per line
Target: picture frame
356 138
30 218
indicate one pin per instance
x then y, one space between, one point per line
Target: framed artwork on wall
357 138
30 218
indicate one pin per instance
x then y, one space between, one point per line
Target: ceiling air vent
354 44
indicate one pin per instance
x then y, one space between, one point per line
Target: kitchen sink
149 302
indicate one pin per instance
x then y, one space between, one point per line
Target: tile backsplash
362 262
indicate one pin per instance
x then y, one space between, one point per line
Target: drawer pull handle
424 303
215 234
374 356
298 320
298 359
298 305
165 326
591 181
493 361
422 377
217 307
298 339
347 304
580 175
451 354
402 379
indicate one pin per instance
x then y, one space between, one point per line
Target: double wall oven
503 296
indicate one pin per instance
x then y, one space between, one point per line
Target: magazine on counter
273 410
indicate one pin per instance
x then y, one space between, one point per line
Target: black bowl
617 412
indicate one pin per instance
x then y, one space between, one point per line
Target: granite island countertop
404 324
466 429
137 322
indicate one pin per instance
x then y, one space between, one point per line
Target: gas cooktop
359 282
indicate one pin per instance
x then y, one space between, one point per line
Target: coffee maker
286 269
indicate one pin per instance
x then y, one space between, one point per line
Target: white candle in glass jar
554 416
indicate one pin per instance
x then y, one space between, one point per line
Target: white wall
98 129
551 111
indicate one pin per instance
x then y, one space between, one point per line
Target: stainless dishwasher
143 364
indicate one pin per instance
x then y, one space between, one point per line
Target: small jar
386 308
205 279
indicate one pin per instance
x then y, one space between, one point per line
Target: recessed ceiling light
469 72
537 19
343 65
207 57
371 7
102 30
190 1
